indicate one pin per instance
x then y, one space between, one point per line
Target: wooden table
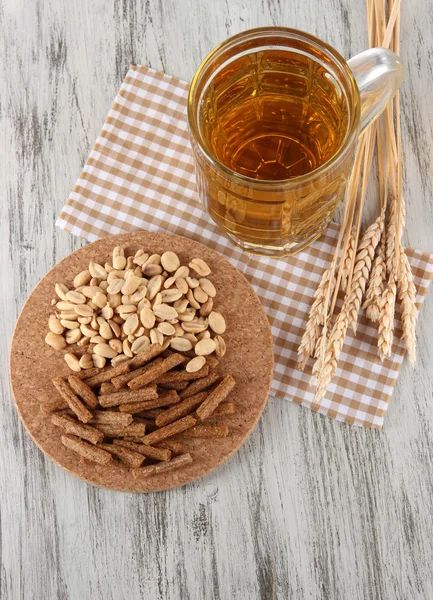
308 508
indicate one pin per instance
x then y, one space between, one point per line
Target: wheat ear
316 317
325 369
376 283
386 319
348 259
407 297
396 215
362 268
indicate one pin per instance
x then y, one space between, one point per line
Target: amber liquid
273 115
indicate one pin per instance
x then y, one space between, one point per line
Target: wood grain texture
308 508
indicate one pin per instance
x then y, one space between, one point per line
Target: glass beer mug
275 116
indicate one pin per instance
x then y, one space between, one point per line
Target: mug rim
294 34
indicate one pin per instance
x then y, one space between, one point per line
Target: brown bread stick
87 373
174 463
164 399
108 374
180 410
83 390
172 445
152 413
143 471
131 458
167 364
86 450
169 430
145 356
169 352
199 386
150 425
125 396
108 417
106 388
71 426
182 376
147 451
74 403
215 397
121 381
206 431
212 361
50 406
113 431
179 386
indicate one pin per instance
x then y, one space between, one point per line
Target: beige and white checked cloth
140 175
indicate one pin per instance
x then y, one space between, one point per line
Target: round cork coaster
249 358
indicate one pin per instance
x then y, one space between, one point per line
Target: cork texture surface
249 359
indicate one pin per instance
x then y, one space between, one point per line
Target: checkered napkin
140 175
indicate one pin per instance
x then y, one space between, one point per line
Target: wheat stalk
407 297
376 283
316 317
362 268
390 240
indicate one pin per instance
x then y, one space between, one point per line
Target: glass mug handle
378 73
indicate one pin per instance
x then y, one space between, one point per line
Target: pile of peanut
120 309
